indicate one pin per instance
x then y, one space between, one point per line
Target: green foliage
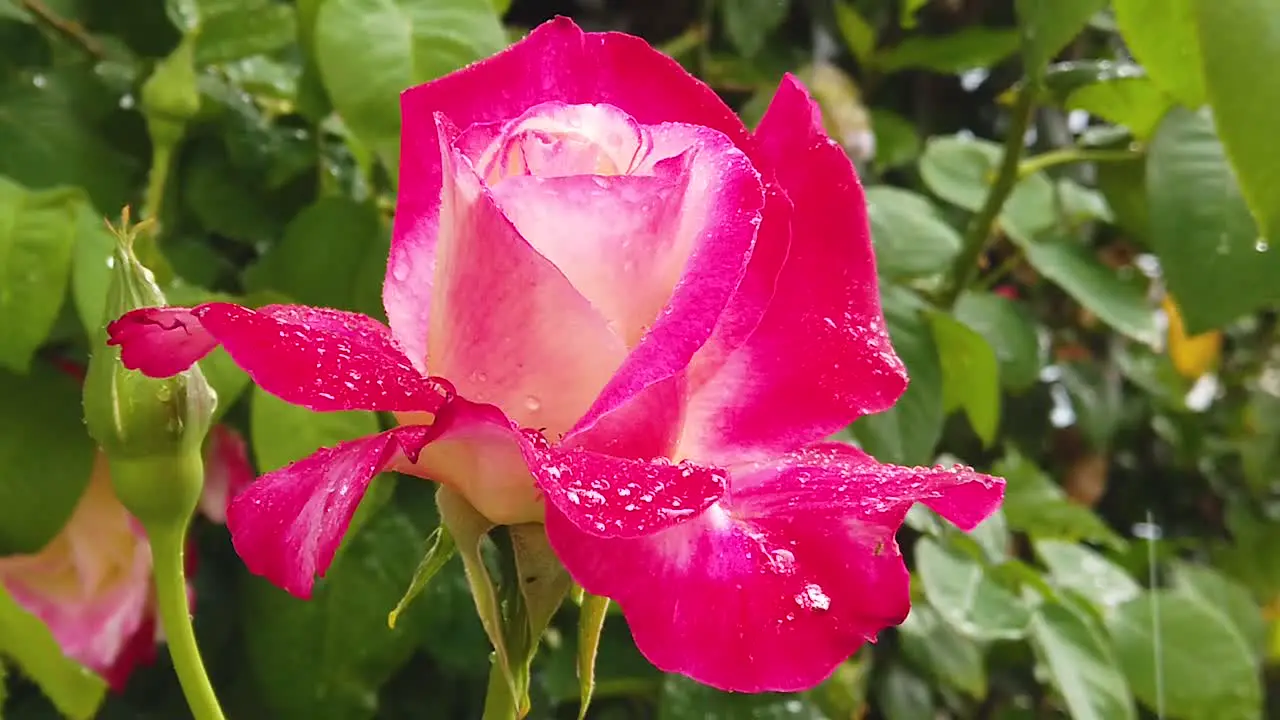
1134 569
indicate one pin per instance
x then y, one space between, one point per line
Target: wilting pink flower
591 246
91 585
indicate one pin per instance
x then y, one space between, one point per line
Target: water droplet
39 80
813 598
126 102
784 562
532 404
400 272
600 181
1262 245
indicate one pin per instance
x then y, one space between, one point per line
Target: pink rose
91 585
590 245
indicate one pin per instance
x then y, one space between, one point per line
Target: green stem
1072 155
175 617
965 267
498 703
147 244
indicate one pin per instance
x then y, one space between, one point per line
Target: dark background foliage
1045 183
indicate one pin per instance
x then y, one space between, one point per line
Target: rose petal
318 358
288 525
227 471
556 62
621 497
821 355
780 581
508 328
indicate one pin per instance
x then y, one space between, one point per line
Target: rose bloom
91 585
615 309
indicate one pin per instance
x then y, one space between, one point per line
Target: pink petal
618 497
821 356
508 328
556 62
783 578
227 471
288 525
318 358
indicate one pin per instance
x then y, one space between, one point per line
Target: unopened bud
151 429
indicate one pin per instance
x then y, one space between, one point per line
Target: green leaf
74 690
859 35
1034 504
910 237
897 142
904 695
1081 664
50 139
844 694
1183 656
241 30
684 699
91 269
224 201
368 51
590 625
283 433
1239 38
965 49
907 433
313 263
1119 302
37 235
960 170
1124 185
972 602
748 23
1219 592
1009 329
953 658
970 374
1097 579
327 657
1134 102
440 550
1212 257
1162 36
1048 25
46 454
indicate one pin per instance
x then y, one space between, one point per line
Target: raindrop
400 272
126 102
813 598
39 80
532 404
1262 245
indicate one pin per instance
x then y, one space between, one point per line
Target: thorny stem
175 617
69 29
980 229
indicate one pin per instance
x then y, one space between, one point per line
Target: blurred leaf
907 433
240 30
1048 25
43 444
48 132
748 23
897 142
910 237
966 49
1081 665
1119 302
1222 594
37 236
1124 184
1238 37
368 51
1009 329
325 658
91 269
844 694
934 646
590 624
904 695
1097 579
1034 504
970 374
684 699
960 170
440 550
859 35
1162 36
960 590
75 691
1134 102
1210 252
324 247
225 201
1063 78
1184 656
283 433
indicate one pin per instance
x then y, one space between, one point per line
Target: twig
69 29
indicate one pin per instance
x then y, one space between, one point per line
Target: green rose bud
169 96
151 429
